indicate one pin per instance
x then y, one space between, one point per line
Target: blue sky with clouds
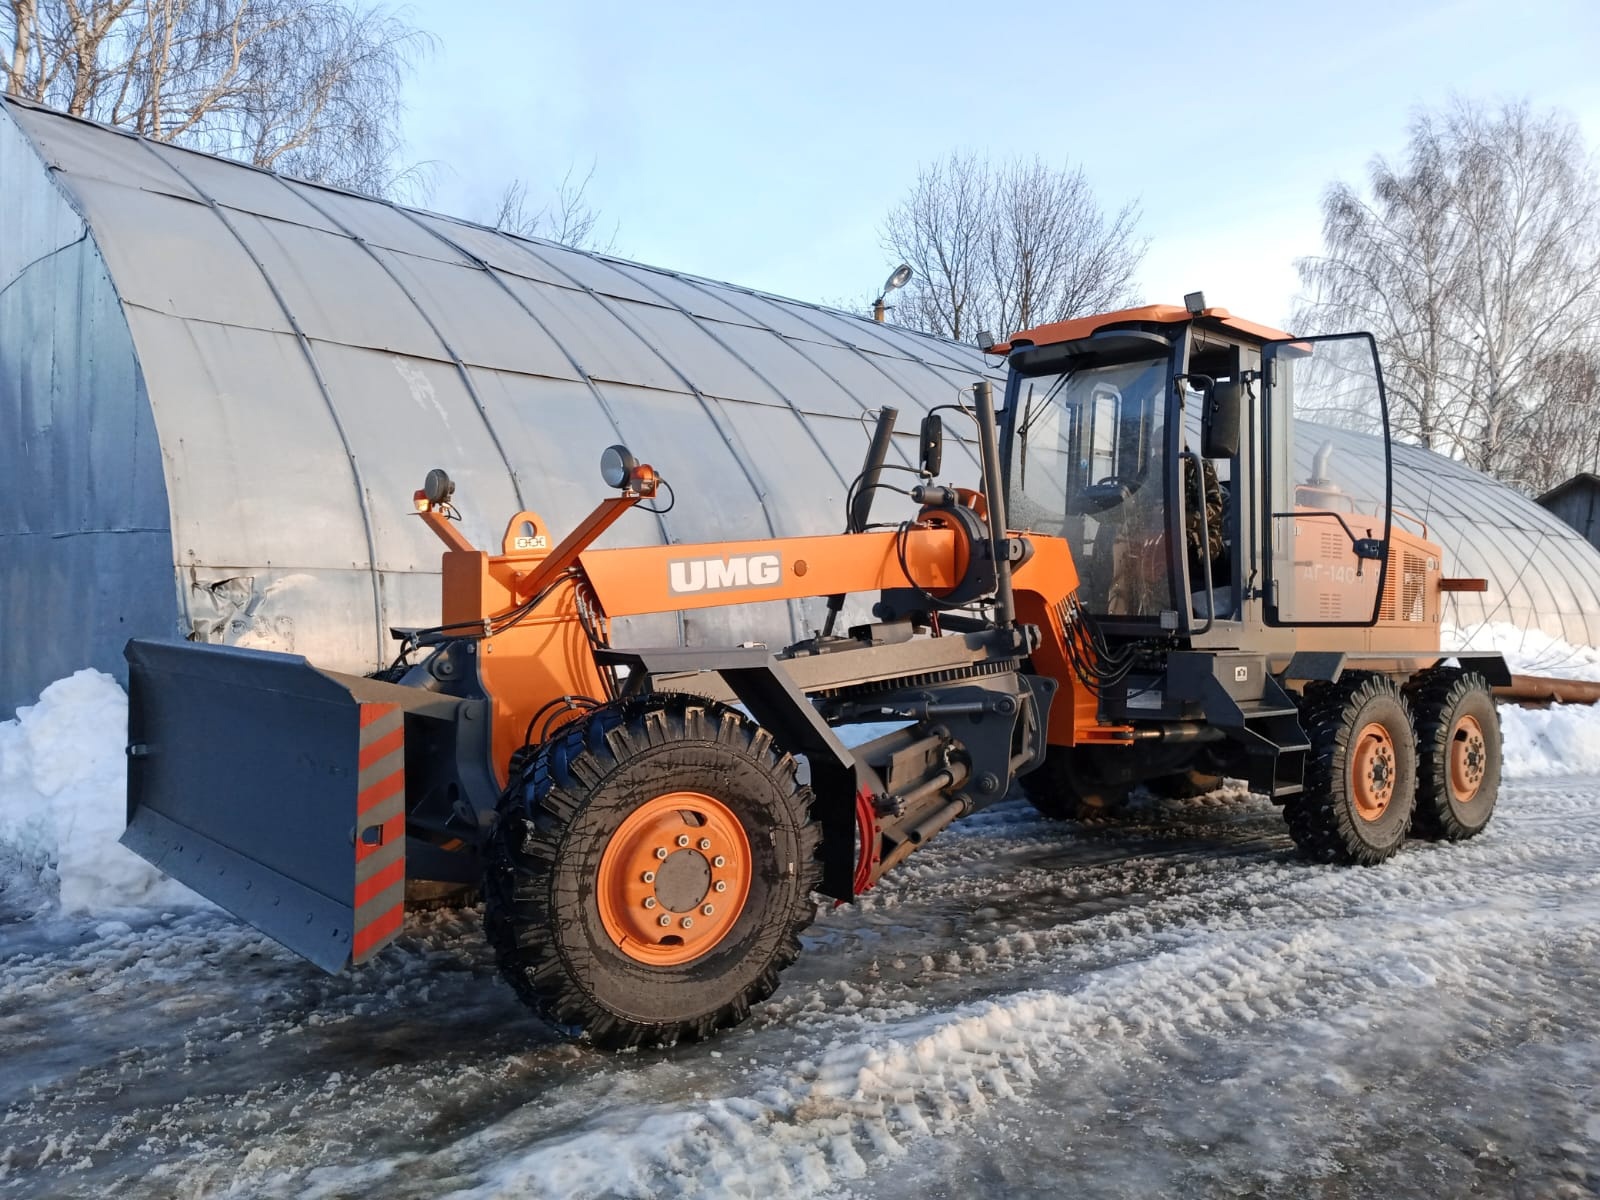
763 143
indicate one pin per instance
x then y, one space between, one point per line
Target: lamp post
901 277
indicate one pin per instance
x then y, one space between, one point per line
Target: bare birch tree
567 218
308 87
1476 264
999 248
940 230
1391 266
1560 436
1051 251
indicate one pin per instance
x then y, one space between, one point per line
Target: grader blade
274 789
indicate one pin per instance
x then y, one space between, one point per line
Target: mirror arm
1365 548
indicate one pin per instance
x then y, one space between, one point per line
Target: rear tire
1361 772
1066 787
1458 753
568 908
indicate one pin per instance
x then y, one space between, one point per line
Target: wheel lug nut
661 851
721 885
649 901
649 876
705 843
665 920
719 861
688 922
707 911
683 839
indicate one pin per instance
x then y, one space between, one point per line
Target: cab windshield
1089 466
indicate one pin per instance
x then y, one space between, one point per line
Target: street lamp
901 277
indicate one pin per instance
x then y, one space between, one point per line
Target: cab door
1328 481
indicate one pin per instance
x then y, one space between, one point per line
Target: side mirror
931 450
1219 420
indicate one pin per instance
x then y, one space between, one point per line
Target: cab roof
1150 314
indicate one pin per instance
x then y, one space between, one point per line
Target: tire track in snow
1150 898
865 1103
1225 933
907 1076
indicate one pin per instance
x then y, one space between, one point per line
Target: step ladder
1269 729
1276 747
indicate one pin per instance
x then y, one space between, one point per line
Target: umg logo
724 574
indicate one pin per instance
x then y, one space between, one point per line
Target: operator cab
1169 447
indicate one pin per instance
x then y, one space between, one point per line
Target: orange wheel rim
1372 770
673 878
1469 758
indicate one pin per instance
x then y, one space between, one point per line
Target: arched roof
224 386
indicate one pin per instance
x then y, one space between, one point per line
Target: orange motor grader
1158 579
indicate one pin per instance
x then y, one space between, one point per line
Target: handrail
1205 544
1421 524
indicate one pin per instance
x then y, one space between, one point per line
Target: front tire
1361 772
1458 753
602 896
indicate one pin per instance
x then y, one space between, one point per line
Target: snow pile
62 805
1526 651
1560 740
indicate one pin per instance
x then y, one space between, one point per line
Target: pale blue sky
763 143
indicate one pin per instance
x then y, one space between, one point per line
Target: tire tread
1434 696
540 807
1321 819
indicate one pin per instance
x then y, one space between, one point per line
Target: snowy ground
1169 1003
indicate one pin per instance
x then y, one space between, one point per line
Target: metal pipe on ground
1536 691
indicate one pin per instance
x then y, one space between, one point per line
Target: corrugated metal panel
306 354
698 300
244 191
172 256
481 321
85 151
251 453
85 549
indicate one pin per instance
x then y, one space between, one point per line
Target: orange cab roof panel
1150 314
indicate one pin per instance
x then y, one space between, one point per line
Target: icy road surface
1166 1004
